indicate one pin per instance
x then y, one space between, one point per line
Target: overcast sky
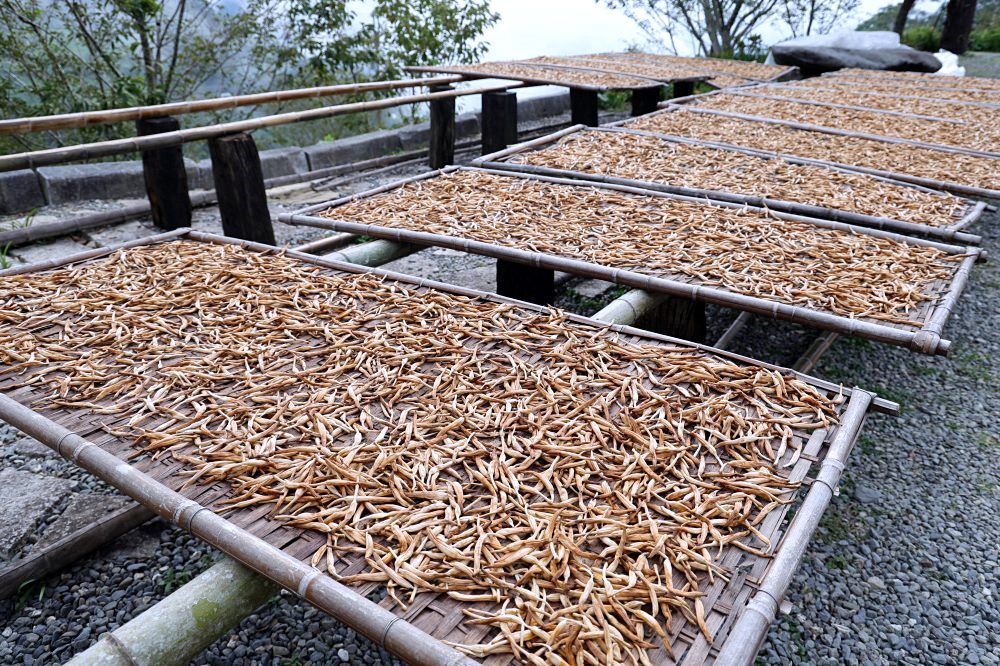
562 27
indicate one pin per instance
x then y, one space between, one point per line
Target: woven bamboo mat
982 136
657 72
536 73
657 160
965 111
589 229
437 614
962 168
740 68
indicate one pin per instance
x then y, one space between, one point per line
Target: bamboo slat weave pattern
978 137
928 90
524 484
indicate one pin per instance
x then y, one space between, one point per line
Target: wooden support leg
583 107
239 185
442 148
678 318
165 177
499 121
525 283
644 100
683 89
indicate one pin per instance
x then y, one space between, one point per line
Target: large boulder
815 60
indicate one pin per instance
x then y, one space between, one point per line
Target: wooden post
442 148
678 318
644 100
499 121
683 88
526 283
239 185
583 107
165 176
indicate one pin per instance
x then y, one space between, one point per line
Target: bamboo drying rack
31 160
581 64
550 79
987 83
728 67
953 232
948 186
988 106
916 142
736 612
926 340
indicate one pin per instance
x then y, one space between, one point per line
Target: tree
958 20
77 55
714 27
807 17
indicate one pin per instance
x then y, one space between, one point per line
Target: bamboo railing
88 118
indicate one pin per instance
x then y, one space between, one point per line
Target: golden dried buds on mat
570 487
744 251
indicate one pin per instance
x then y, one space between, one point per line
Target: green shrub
923 38
985 40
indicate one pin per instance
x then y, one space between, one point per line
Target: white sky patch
567 27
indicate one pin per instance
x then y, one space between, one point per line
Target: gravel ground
903 569
905 566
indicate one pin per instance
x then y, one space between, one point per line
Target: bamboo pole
178 628
925 340
374 253
748 633
730 333
951 232
323 245
15 237
31 160
87 118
